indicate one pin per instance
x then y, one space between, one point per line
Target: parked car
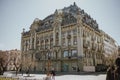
101 68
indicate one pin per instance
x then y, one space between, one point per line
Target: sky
18 14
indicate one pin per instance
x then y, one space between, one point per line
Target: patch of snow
81 77
59 77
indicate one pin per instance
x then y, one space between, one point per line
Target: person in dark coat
53 74
48 77
110 73
117 70
44 70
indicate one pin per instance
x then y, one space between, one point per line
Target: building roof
68 16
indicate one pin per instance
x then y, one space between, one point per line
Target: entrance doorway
65 67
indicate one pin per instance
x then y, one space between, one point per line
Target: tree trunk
16 72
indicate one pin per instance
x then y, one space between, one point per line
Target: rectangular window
65 53
74 53
63 34
63 41
46 46
75 32
75 40
69 41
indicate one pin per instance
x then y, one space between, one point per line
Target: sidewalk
23 77
59 76
79 73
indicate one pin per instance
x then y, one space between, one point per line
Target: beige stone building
67 40
118 50
110 49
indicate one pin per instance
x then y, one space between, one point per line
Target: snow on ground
81 77
59 77
70 77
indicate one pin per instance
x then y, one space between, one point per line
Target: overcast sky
18 14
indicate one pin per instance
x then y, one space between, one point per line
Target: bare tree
3 62
17 64
27 65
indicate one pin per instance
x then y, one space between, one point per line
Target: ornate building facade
118 50
110 49
67 40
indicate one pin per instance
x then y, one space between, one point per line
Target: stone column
54 36
79 41
80 47
66 40
60 36
44 41
31 41
35 41
60 41
72 38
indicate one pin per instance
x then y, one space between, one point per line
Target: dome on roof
36 19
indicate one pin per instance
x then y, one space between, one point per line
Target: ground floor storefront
63 66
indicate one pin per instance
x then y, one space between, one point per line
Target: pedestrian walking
53 74
78 70
48 77
117 70
110 72
44 70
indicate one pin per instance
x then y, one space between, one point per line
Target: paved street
82 76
